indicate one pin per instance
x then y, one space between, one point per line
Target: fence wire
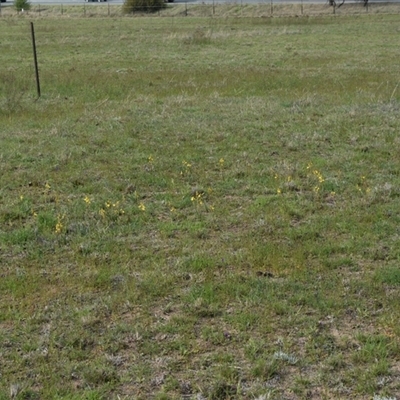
212 9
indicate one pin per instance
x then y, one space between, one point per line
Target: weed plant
200 208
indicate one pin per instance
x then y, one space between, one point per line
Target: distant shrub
131 6
22 5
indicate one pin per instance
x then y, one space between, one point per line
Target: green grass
200 207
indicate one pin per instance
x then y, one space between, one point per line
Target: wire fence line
268 8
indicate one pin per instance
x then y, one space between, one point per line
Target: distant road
81 2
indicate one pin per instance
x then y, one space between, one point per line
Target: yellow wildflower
59 224
59 227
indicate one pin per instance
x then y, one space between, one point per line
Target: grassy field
202 208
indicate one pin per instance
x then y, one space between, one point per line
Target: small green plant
266 369
388 275
22 5
132 6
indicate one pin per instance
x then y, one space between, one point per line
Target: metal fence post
272 8
35 60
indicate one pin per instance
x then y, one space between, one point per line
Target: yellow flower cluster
113 207
289 182
363 185
87 200
320 180
319 176
197 198
187 166
59 224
